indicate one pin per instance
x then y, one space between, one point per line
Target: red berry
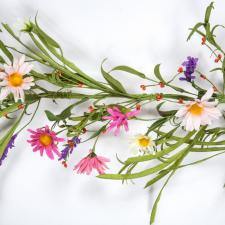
21 106
161 84
80 84
216 60
138 107
180 70
91 109
64 164
214 88
104 131
143 87
158 97
203 40
180 100
203 76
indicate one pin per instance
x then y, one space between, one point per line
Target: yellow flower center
45 139
195 109
144 142
15 79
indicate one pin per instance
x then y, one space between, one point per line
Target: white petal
213 112
189 123
4 93
16 64
22 68
28 69
21 92
28 79
2 75
196 122
4 83
208 94
209 104
27 86
181 112
9 69
21 60
205 120
16 95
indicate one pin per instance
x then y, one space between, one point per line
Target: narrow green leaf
158 74
2 60
5 140
46 37
156 124
129 70
51 116
208 12
6 51
165 113
194 29
115 84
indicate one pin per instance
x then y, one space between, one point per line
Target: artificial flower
90 162
190 66
119 119
22 25
142 144
199 112
71 144
44 139
9 146
13 80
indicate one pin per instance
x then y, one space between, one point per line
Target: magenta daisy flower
44 139
90 162
119 119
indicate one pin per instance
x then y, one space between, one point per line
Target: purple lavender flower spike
190 66
10 145
69 148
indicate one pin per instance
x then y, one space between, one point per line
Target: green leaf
157 178
129 70
6 51
97 133
208 12
115 84
67 112
5 140
156 124
46 37
194 29
216 26
158 74
51 116
9 109
2 60
165 113
215 69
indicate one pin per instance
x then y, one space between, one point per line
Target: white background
37 191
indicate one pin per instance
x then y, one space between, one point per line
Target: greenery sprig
188 128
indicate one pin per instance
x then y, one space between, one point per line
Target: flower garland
194 114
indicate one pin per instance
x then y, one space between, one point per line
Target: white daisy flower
142 144
12 80
199 112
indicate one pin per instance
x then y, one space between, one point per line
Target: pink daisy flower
43 139
90 162
119 119
13 80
